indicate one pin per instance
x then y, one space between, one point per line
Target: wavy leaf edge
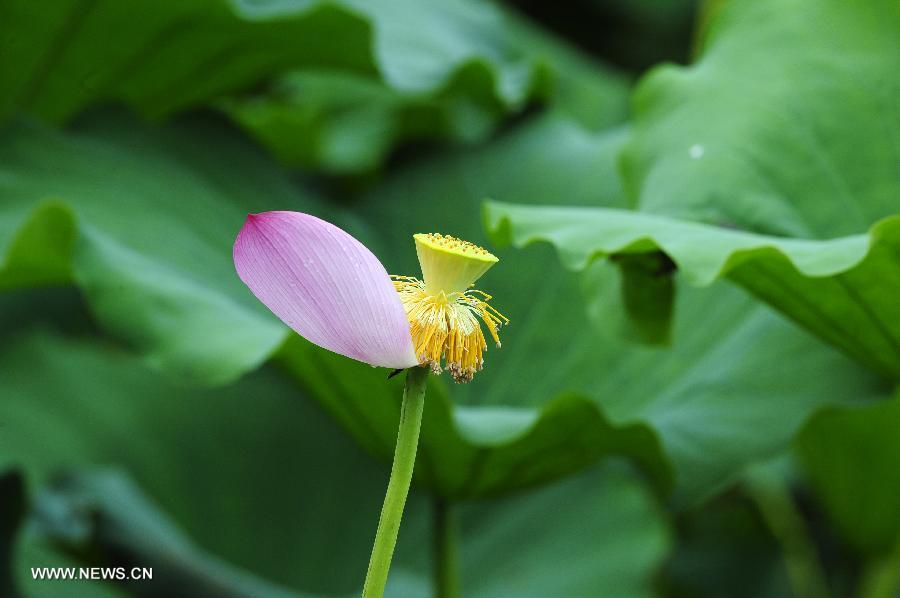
851 251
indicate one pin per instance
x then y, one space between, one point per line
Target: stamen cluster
445 326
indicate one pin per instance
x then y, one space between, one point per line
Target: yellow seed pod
450 265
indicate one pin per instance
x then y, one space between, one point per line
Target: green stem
775 504
398 486
446 555
882 577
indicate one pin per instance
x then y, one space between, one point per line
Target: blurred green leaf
593 94
809 154
610 530
851 457
228 465
143 224
508 546
787 124
106 521
326 85
467 451
844 290
164 56
648 295
342 122
256 460
632 34
725 550
613 522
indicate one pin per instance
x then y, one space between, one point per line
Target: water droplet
696 151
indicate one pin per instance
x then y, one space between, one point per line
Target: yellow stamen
443 312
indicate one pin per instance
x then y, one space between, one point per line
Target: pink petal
326 285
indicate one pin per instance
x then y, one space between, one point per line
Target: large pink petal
326 285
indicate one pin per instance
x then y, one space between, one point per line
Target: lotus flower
334 292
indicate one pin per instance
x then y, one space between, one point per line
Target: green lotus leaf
308 497
164 280
844 290
788 188
786 124
851 458
332 86
64 57
74 403
342 122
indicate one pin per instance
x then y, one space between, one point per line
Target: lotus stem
398 486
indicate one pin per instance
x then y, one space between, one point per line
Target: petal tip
254 218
